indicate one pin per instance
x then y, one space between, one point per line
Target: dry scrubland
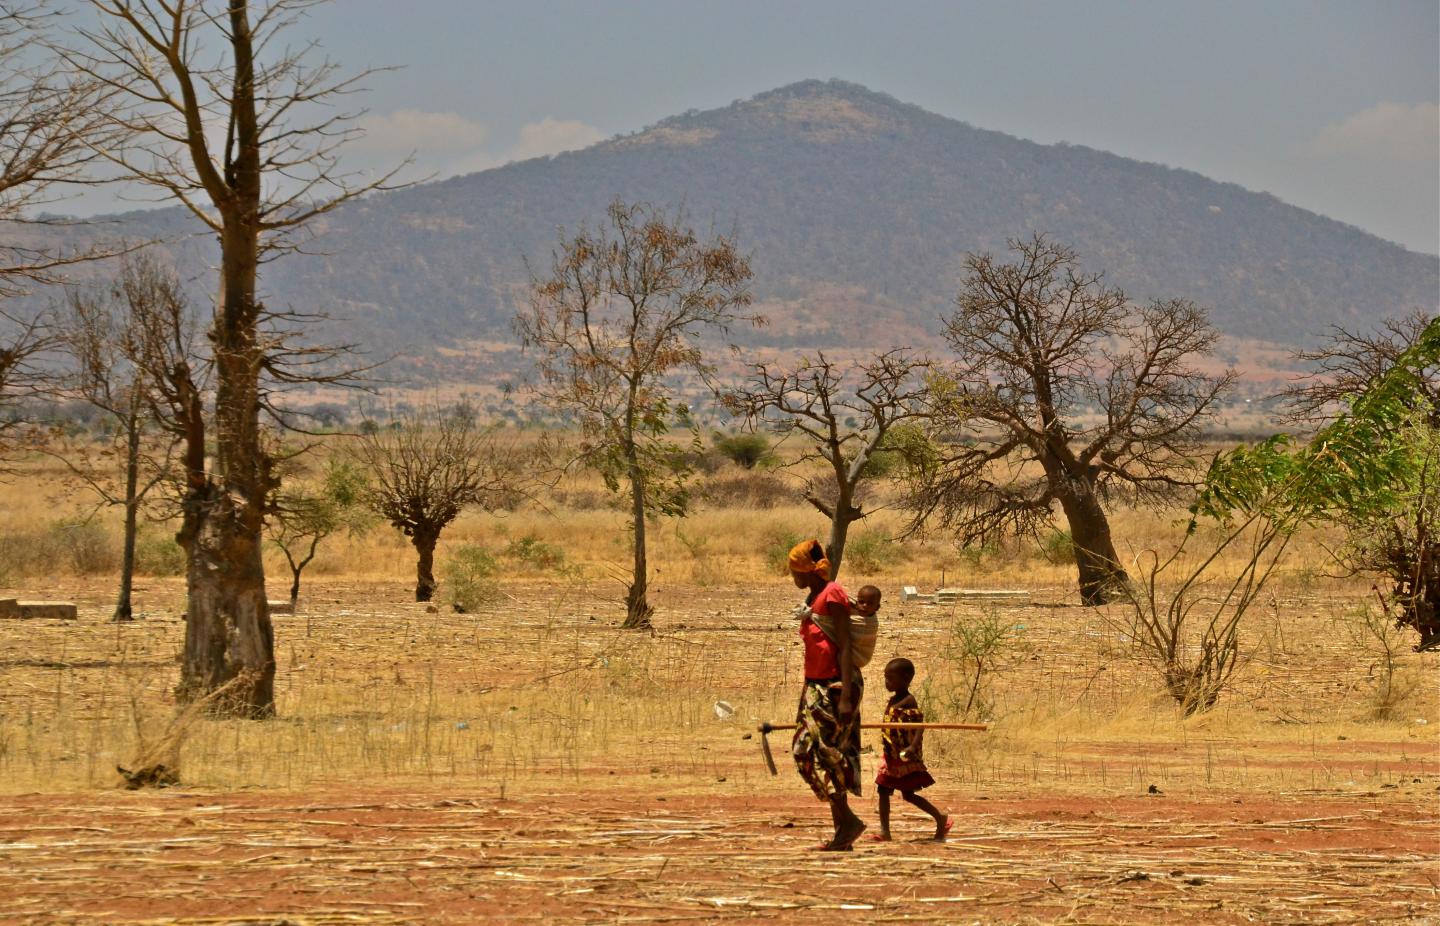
534 760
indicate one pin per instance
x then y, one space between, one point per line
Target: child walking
903 766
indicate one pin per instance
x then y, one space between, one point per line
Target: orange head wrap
809 556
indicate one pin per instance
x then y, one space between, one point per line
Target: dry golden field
533 762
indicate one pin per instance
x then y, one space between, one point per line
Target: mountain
858 210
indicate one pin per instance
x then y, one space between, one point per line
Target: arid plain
531 761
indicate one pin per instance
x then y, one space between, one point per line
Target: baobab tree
844 414
619 316
428 469
1060 392
225 117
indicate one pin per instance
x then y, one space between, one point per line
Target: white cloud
536 139
552 136
1384 132
431 135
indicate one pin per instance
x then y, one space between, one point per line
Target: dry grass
371 686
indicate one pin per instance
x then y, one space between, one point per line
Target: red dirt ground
640 855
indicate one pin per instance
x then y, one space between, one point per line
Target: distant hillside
857 210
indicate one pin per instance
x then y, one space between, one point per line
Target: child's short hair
868 591
905 667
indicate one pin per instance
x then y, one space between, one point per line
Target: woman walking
827 725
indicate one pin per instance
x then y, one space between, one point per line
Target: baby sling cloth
864 631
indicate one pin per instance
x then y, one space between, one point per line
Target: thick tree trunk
1095 558
637 607
228 628
425 541
227 620
123 609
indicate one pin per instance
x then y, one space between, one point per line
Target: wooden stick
768 727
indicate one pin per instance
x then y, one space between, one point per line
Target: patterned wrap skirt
826 752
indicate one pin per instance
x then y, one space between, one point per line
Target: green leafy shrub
777 542
535 553
157 554
468 578
1057 547
870 553
976 649
745 450
975 554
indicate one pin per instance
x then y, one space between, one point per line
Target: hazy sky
1330 106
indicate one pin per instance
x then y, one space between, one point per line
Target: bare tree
52 121
49 122
428 469
619 316
20 377
843 416
162 340
1062 393
245 132
1349 361
100 332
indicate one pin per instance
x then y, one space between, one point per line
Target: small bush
157 554
777 542
23 548
975 554
1383 639
749 490
535 553
84 544
978 647
745 450
1057 548
882 464
468 579
583 500
706 460
870 553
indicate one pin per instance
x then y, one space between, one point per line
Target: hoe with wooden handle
766 728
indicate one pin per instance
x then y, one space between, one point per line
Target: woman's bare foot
943 829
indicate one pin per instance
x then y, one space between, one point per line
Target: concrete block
1009 595
55 610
